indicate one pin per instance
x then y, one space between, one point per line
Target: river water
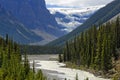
55 70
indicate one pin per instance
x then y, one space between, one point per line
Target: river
55 70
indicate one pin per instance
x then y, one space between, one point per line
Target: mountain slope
35 16
9 25
100 17
71 18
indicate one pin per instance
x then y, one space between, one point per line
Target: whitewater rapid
55 70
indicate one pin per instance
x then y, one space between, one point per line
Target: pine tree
98 51
26 64
10 63
95 48
60 58
118 32
76 77
7 39
33 66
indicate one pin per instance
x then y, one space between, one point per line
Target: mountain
9 25
35 16
71 18
114 18
100 17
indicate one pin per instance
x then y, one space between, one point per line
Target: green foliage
65 79
87 79
33 49
94 48
115 78
60 58
11 65
76 77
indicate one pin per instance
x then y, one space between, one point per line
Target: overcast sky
75 3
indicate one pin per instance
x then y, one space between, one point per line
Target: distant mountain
70 18
35 16
100 17
16 30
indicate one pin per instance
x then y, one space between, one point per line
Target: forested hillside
97 49
12 67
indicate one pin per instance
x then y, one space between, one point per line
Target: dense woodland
33 49
96 48
12 67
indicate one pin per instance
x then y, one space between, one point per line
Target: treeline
95 48
12 67
34 49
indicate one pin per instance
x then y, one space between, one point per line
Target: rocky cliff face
34 15
16 30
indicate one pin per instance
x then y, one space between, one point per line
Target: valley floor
55 70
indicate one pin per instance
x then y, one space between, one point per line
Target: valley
59 40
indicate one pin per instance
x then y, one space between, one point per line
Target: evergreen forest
95 48
12 67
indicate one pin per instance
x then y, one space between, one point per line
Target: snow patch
71 18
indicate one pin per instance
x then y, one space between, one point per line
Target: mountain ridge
100 17
71 18
34 15
16 30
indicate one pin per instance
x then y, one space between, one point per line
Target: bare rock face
15 29
33 14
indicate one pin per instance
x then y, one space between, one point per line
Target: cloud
77 3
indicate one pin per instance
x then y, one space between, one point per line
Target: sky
75 3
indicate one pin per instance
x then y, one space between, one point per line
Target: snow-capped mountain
70 18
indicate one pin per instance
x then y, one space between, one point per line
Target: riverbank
92 71
111 74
